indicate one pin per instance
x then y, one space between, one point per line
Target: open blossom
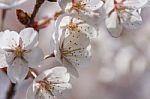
71 48
123 13
71 24
85 9
49 84
5 4
19 52
80 6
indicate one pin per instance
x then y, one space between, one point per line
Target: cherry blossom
19 52
84 9
83 6
5 4
123 13
71 24
71 48
49 84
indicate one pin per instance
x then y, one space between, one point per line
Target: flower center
78 6
118 6
72 26
18 52
47 86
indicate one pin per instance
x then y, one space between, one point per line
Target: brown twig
3 19
35 11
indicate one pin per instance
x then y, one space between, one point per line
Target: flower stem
2 19
35 11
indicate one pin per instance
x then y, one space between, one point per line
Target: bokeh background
119 69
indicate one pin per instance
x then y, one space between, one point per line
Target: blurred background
119 69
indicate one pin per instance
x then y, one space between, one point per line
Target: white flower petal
6 4
71 69
34 57
61 87
93 4
113 25
92 18
78 42
132 21
89 30
9 57
21 89
64 3
81 58
136 4
56 74
147 4
59 75
45 94
30 92
18 70
57 71
109 6
33 92
3 62
29 37
9 40
4 84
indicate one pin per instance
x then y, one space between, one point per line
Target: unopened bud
23 17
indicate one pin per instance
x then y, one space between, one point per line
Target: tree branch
35 11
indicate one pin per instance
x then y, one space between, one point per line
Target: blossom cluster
78 23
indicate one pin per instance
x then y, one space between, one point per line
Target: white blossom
80 6
19 52
49 84
71 48
84 9
123 13
71 24
6 4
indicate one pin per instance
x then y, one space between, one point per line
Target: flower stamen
72 26
78 6
68 52
47 86
18 52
